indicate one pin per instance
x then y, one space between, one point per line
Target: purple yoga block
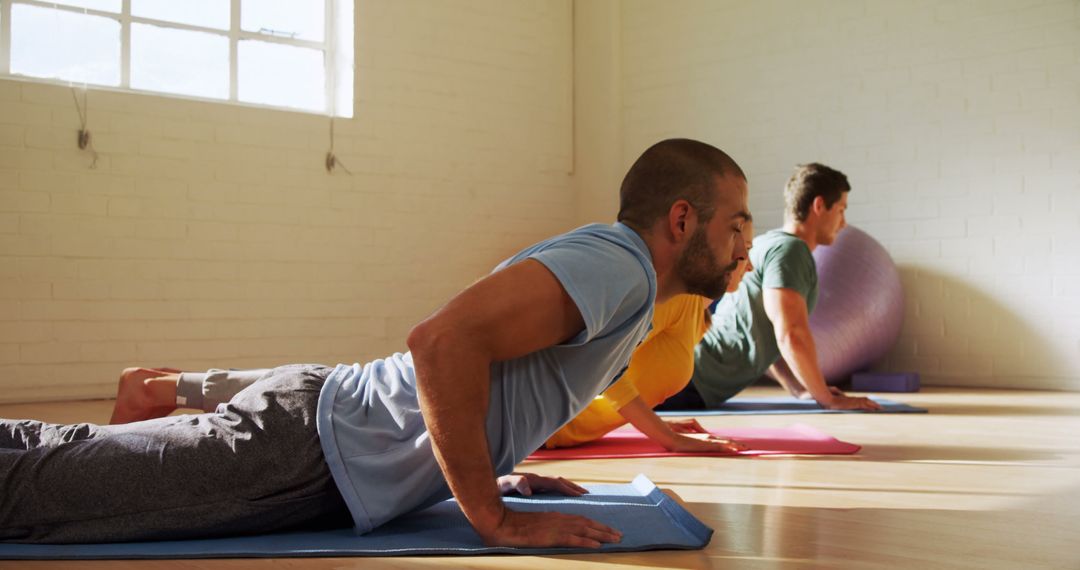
885 382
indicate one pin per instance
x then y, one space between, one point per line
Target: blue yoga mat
789 405
648 519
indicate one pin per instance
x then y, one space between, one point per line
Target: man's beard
698 270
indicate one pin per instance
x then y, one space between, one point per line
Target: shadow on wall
958 334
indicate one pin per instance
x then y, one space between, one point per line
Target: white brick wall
957 121
210 235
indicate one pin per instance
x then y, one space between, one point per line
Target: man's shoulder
616 235
596 244
780 246
606 270
786 262
779 239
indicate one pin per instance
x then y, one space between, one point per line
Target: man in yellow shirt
660 367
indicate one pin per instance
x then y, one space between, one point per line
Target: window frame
329 47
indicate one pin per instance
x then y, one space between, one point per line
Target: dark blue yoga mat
789 405
648 519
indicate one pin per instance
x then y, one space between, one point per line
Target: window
296 54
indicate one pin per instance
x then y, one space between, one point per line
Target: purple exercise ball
860 307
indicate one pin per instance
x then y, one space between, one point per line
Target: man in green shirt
764 328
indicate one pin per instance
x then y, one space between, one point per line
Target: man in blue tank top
488 378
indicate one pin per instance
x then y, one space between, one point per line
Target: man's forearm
647 422
799 352
801 355
780 372
454 405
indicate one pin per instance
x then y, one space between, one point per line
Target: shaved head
671 170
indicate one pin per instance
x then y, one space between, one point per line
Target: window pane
297 19
282 75
343 57
206 13
179 61
65 45
103 5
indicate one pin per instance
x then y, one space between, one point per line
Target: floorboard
988 479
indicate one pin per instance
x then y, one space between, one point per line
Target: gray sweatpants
207 390
253 466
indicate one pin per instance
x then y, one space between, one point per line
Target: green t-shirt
740 345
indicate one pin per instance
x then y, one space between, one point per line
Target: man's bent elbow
433 340
795 337
421 337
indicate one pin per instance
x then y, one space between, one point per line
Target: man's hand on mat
143 394
843 402
529 483
805 394
709 444
685 426
540 530
687 438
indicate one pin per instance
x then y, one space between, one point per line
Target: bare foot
144 393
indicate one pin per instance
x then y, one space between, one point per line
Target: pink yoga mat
796 439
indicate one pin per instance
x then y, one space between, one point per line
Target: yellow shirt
660 366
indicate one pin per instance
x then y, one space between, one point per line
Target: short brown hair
807 183
670 170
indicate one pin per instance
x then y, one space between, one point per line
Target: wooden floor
988 479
